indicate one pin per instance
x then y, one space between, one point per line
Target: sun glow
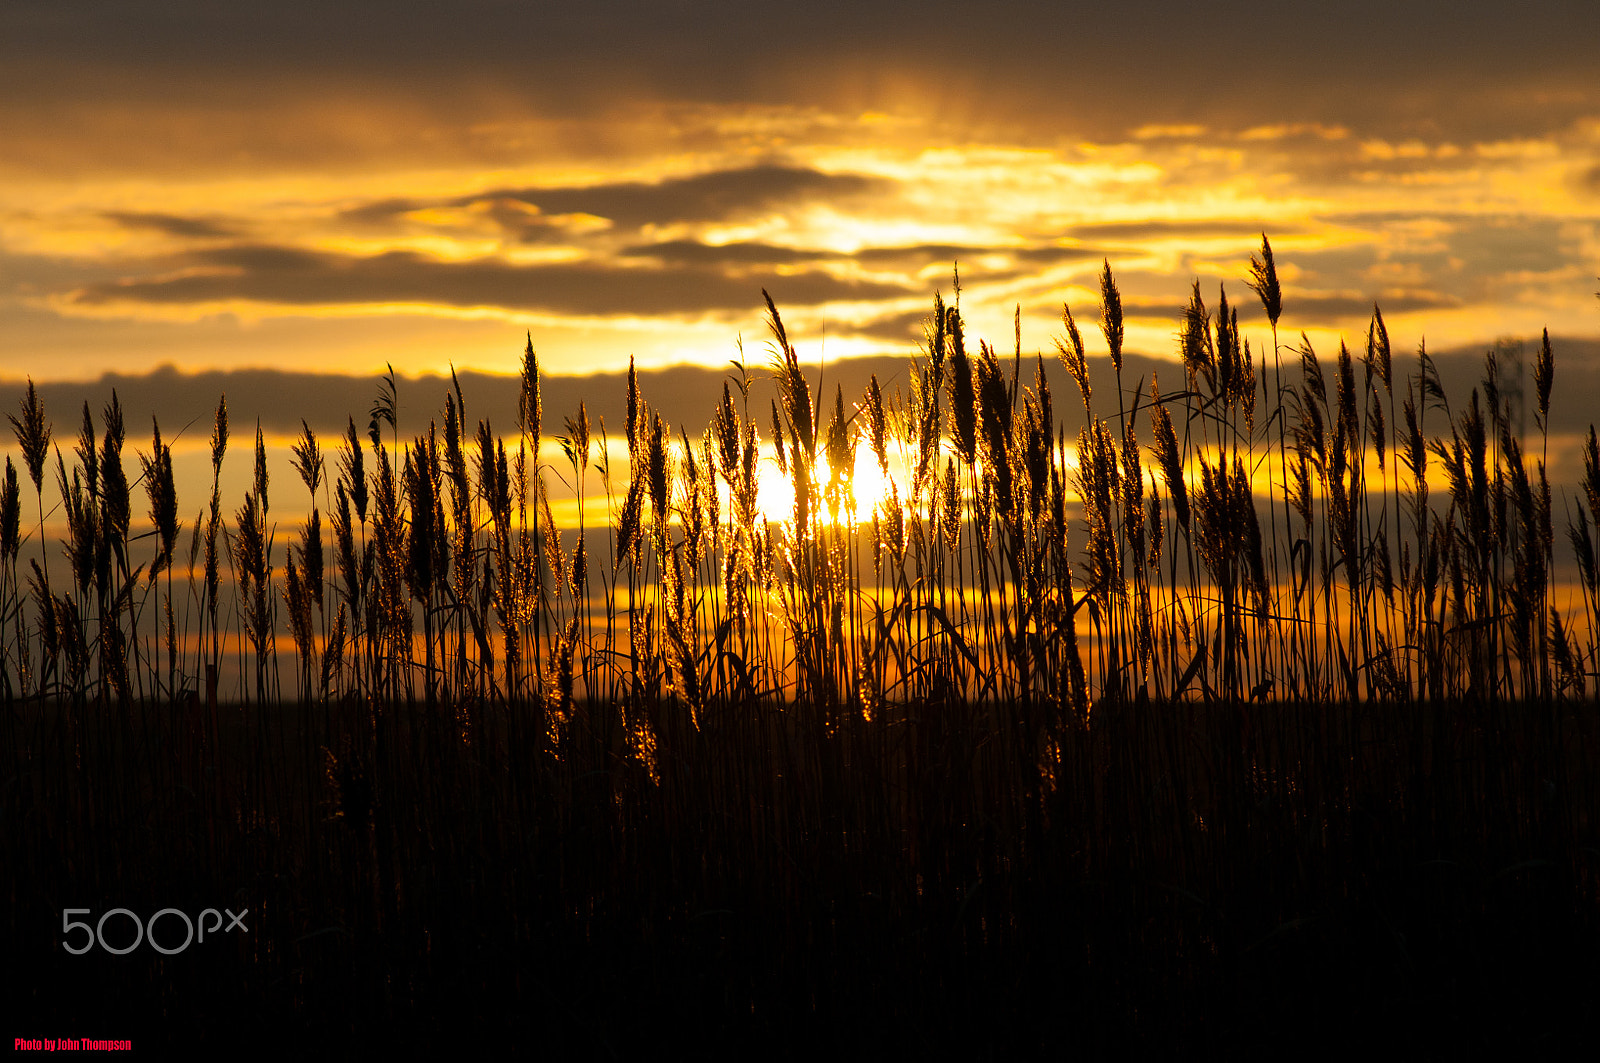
867 489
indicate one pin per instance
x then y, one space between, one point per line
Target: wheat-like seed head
1111 314
1311 372
1582 541
10 516
1264 282
628 521
1378 349
531 406
1377 431
1167 455
963 399
33 435
657 476
1543 376
994 408
1591 475
308 459
1229 373
333 651
1132 491
748 491
777 440
635 446
1195 344
345 547
951 515
116 507
1072 356
456 460
877 425
1157 528
160 487
88 452
1247 534
725 427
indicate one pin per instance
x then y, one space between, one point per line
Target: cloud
176 225
1049 256
1342 307
294 277
693 252
1160 229
280 399
919 256
262 259
896 328
1498 245
720 195
238 86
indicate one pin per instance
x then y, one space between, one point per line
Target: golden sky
333 187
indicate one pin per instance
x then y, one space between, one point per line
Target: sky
330 188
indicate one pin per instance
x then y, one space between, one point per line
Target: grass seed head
219 435
307 459
1378 349
1264 282
1111 314
1195 343
963 398
1168 457
33 435
88 452
634 447
10 515
531 408
1072 356
1543 376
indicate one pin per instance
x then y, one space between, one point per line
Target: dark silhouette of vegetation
1216 727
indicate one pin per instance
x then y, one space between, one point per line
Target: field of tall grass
1256 711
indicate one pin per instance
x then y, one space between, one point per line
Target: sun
870 489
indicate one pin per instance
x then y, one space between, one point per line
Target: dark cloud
293 277
896 328
380 212
1050 256
171 224
919 256
717 196
1345 161
736 254
1342 307
280 399
517 220
720 195
1501 245
32 274
1486 68
1157 229
263 259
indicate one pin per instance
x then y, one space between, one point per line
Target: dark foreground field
1236 736
1300 881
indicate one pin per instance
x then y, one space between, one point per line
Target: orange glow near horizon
1027 225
